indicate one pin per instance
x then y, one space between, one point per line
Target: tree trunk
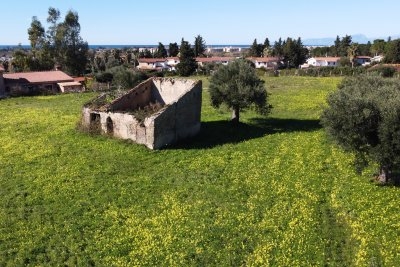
235 115
383 174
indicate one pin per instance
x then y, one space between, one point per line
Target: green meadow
271 191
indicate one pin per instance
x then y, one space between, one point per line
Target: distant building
265 62
201 61
363 60
151 49
152 64
231 49
172 62
377 59
211 50
321 62
32 83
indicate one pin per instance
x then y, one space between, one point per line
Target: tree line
61 45
291 51
389 48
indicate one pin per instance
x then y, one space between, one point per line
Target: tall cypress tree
187 65
161 51
255 49
199 46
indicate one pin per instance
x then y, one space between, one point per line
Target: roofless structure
156 113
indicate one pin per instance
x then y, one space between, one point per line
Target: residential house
31 83
321 62
152 64
377 59
265 62
363 60
201 61
172 62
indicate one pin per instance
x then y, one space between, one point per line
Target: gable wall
140 96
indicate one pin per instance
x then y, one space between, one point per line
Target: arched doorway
110 126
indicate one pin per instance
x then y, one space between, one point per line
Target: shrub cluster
384 71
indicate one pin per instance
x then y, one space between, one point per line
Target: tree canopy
173 49
161 51
199 46
187 63
363 116
238 86
393 52
256 49
293 52
60 45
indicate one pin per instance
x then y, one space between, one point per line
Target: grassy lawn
270 192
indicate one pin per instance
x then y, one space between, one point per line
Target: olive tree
363 116
238 86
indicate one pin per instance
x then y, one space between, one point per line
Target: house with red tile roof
152 64
33 83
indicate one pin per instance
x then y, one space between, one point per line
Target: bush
104 77
384 71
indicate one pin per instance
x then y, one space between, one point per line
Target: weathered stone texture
178 119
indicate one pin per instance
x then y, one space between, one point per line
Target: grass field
269 192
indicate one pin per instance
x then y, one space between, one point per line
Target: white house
265 62
201 61
231 49
321 62
172 62
377 59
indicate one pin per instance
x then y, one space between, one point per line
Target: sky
147 22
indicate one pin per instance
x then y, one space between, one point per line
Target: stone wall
178 119
2 85
135 98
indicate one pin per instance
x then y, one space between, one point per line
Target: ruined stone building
158 112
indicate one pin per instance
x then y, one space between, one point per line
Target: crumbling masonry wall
2 85
179 118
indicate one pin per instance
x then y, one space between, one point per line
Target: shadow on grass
216 133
